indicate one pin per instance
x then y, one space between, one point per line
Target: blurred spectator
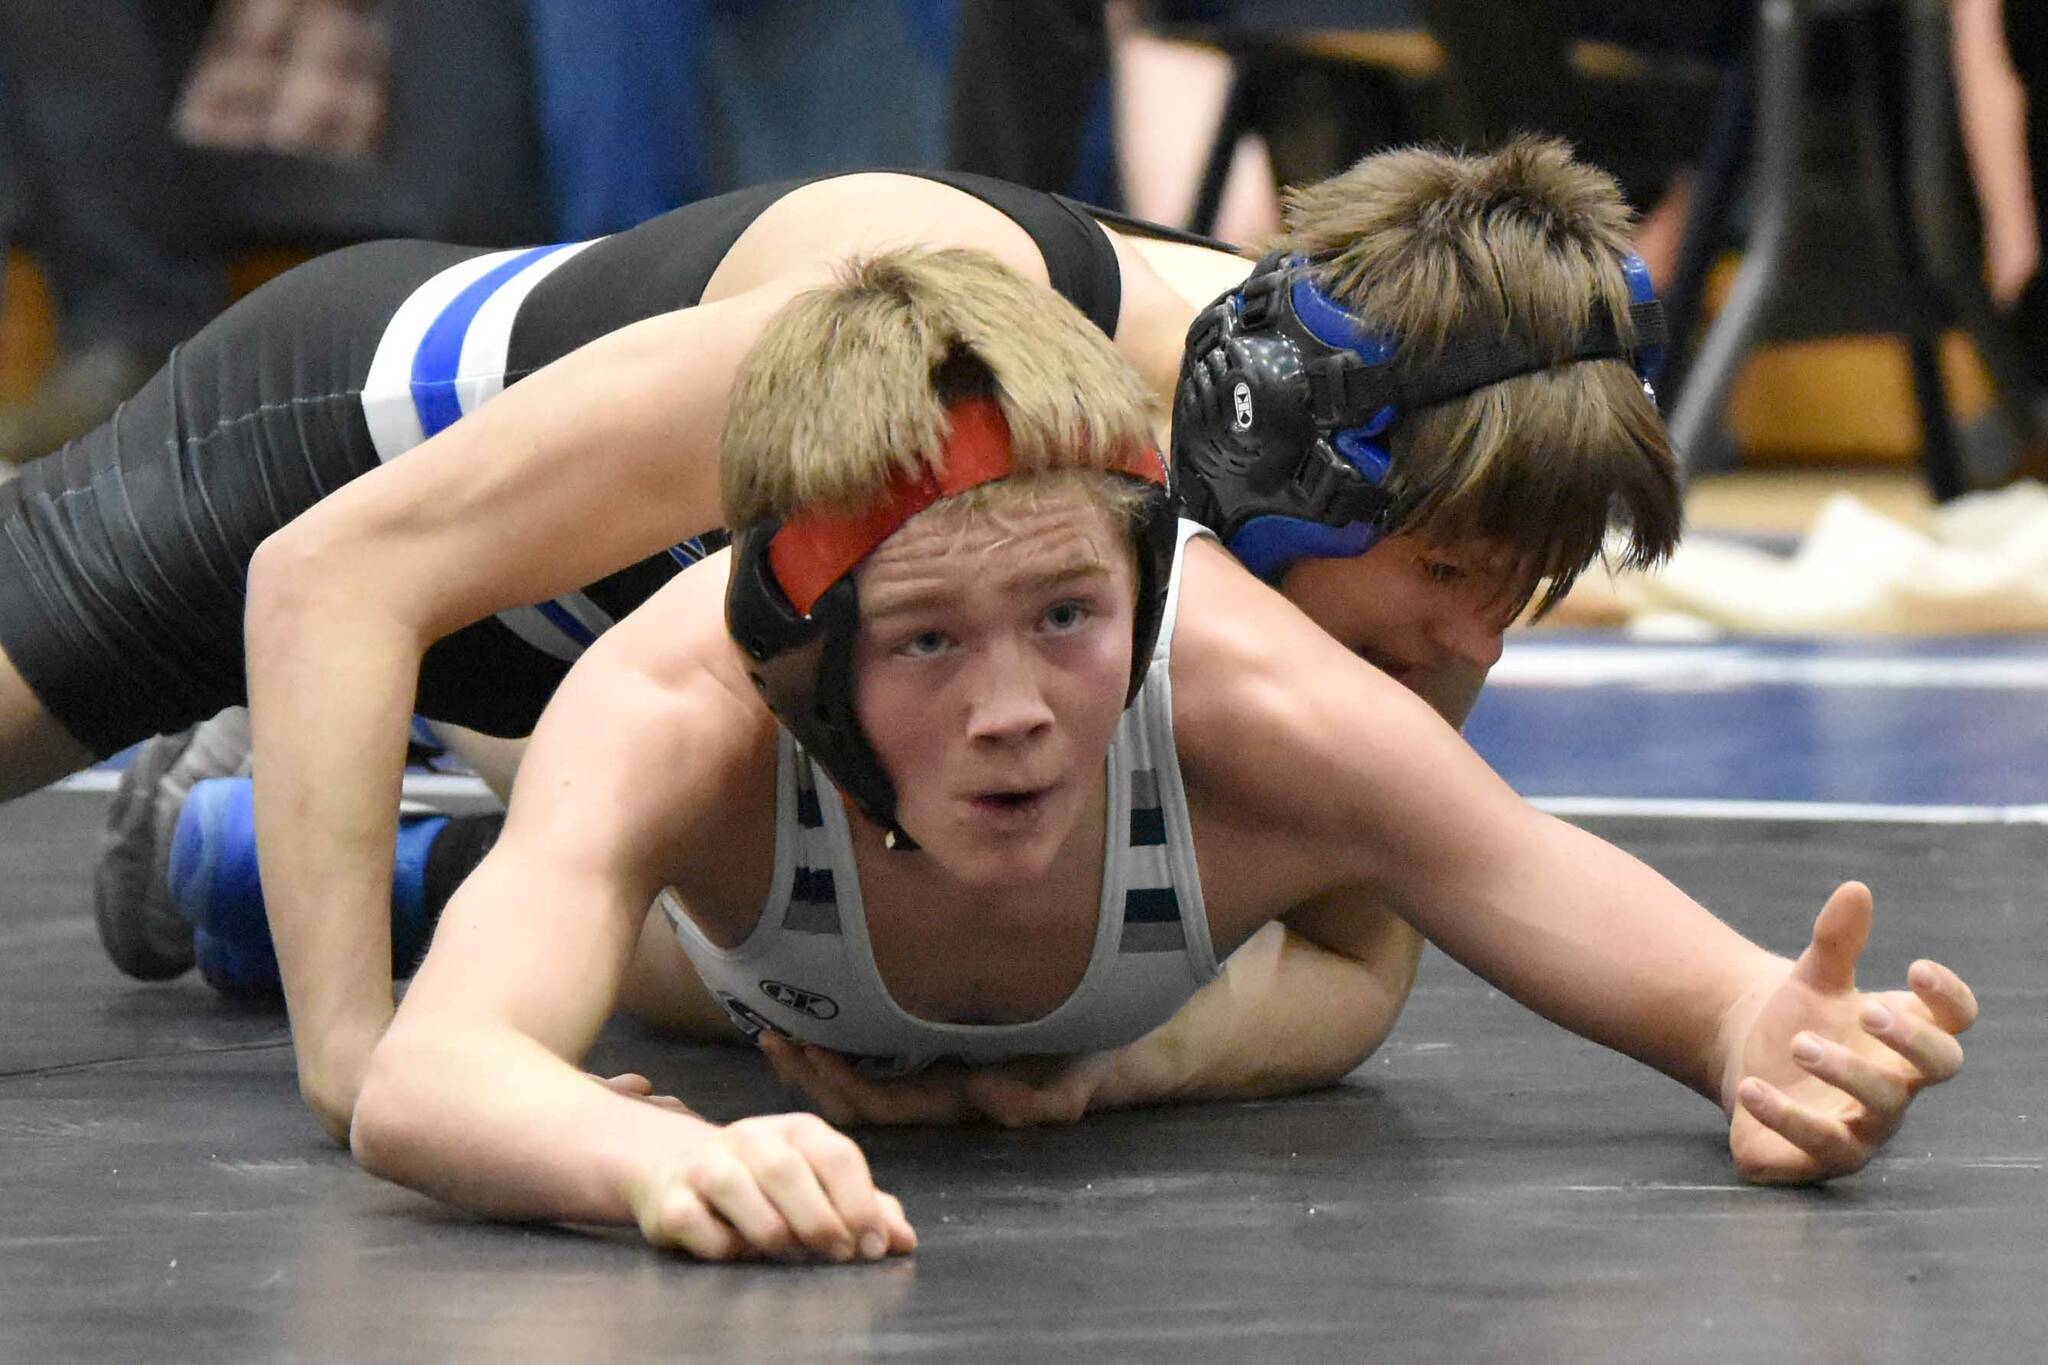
2001 64
795 88
648 104
1027 81
1028 104
131 223
291 76
1169 103
112 206
619 102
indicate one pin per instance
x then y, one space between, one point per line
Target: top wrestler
907 770
377 591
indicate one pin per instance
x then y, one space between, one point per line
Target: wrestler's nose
1010 702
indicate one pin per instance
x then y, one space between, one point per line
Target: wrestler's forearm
1595 941
490 1120
330 693
1287 1015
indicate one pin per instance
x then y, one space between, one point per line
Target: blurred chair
1900 116
1892 198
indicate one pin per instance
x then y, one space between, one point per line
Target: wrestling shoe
139 925
214 881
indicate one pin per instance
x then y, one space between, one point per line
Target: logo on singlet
1241 399
749 1020
803 1001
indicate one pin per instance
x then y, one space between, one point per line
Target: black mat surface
1486 1188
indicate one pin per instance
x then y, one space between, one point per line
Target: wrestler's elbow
386 1125
314 575
1367 996
290 571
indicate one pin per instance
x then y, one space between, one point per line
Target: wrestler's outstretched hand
1026 1093
1819 1074
786 1186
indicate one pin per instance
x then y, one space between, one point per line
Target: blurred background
1838 199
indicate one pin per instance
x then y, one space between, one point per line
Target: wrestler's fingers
902 1236
842 1173
769 1192
1878 1088
628 1083
843 1096
1010 1100
796 1071
1947 996
1933 1052
927 1098
1839 933
1826 1141
678 1219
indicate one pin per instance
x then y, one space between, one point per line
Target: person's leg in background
462 145
619 109
1025 81
114 208
793 88
2001 64
1170 98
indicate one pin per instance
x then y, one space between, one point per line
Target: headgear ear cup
1304 476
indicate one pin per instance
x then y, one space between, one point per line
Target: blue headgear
1286 400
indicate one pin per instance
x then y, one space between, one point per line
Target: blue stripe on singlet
559 617
439 357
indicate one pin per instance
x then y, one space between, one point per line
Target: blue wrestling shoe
214 882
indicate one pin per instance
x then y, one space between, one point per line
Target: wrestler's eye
924 645
1442 570
1065 617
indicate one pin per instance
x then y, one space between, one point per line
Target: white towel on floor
1982 565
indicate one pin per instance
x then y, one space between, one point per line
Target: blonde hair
848 385
1432 246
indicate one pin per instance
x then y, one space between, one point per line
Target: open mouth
1011 802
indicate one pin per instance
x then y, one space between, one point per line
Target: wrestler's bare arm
602 458
474 1096
1322 771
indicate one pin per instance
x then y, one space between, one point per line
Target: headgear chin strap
1286 400
791 604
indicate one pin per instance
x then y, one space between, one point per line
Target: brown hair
1527 242
848 385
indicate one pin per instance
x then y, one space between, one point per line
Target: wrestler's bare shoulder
1196 274
1276 728
1164 285
660 726
816 227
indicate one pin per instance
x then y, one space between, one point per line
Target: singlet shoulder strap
1145 227
1079 259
